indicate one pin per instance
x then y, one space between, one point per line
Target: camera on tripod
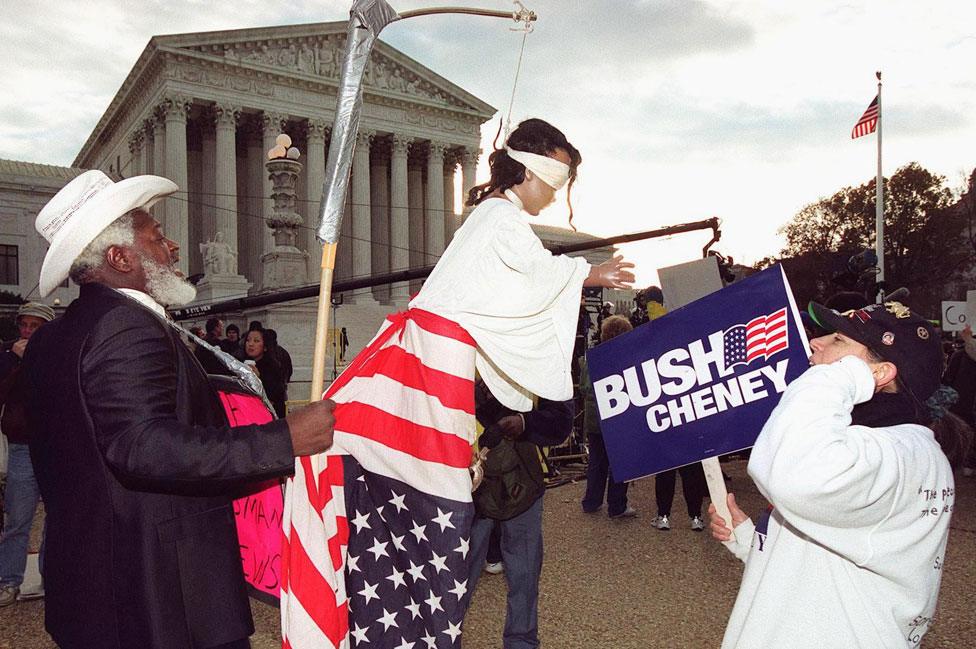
859 275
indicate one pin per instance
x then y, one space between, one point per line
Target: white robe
517 300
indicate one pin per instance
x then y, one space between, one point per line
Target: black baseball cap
897 335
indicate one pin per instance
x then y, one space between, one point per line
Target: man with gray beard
133 454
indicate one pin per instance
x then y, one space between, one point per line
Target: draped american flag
868 122
759 338
375 549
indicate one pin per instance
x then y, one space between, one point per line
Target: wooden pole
322 333
717 491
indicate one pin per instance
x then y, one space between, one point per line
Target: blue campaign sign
700 381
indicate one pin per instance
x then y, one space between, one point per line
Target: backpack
512 481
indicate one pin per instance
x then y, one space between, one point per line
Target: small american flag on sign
868 122
760 338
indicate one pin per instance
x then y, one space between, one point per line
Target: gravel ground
625 585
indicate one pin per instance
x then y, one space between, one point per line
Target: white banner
954 315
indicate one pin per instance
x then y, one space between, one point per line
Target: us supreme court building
203 109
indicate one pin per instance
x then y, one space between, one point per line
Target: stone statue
218 256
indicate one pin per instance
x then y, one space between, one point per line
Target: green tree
925 240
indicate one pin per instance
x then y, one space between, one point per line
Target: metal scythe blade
366 19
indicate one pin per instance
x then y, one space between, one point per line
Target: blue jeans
522 555
19 504
599 478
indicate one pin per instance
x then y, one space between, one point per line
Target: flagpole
879 201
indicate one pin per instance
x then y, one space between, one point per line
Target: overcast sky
683 109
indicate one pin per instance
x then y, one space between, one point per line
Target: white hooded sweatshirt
851 554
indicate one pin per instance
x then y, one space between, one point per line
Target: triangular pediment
317 51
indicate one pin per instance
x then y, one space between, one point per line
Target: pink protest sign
258 515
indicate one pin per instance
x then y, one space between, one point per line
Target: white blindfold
551 171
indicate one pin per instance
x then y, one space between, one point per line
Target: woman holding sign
850 553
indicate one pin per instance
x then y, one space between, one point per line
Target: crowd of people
111 419
259 349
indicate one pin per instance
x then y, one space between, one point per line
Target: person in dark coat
20 497
133 453
268 369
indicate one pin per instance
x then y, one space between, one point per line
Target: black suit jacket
135 462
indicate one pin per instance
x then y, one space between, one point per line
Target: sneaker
592 511
28 595
494 568
697 524
662 523
8 595
630 512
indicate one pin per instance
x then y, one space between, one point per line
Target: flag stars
453 630
404 644
463 548
444 519
416 572
414 609
460 588
388 619
397 578
359 634
434 602
368 591
397 501
378 549
418 531
361 522
438 562
352 564
429 640
398 542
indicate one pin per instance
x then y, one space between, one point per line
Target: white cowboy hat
82 209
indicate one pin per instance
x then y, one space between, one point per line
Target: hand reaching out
614 273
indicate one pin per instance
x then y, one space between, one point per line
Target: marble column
252 227
434 223
362 240
147 147
159 160
379 176
225 118
135 153
450 218
176 109
272 124
469 168
315 133
415 198
203 202
399 215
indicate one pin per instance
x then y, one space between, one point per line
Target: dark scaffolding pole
342 286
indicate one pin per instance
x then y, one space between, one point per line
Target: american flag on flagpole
759 338
375 549
868 122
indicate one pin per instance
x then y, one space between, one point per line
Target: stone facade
204 109
24 189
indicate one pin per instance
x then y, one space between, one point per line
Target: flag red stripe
311 485
754 355
403 367
779 347
775 338
423 442
310 588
